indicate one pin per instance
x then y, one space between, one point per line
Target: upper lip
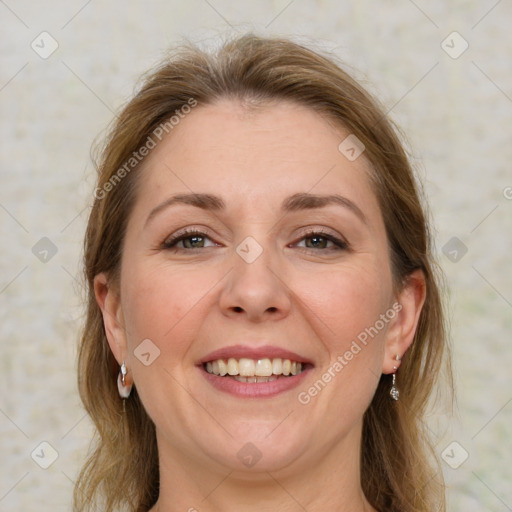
251 352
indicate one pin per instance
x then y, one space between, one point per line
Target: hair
399 472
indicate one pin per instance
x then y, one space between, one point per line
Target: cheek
163 304
346 301
344 308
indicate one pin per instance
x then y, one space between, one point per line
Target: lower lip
255 389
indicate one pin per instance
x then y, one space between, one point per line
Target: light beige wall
457 113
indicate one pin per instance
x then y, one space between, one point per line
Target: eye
320 240
188 240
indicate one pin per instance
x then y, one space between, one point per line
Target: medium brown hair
397 470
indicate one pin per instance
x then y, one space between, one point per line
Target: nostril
272 309
237 309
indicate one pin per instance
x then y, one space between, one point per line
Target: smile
253 370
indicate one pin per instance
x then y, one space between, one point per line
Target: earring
123 388
395 394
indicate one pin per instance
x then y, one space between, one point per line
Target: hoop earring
123 387
395 394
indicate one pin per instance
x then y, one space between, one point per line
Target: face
255 249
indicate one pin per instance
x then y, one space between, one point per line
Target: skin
311 299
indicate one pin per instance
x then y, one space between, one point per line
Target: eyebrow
305 201
203 201
296 202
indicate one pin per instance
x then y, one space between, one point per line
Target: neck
330 482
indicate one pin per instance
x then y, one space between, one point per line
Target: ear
109 301
401 333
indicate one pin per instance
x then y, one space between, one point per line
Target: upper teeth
250 367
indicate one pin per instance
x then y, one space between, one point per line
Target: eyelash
339 243
170 243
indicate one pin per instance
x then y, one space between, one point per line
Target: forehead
255 156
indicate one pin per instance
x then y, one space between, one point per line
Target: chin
258 446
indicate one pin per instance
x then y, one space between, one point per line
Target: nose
254 291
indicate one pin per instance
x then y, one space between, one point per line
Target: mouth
254 370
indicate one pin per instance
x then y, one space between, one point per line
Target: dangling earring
395 394
123 387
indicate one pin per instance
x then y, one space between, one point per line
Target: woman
264 323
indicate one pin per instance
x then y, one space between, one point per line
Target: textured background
456 109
